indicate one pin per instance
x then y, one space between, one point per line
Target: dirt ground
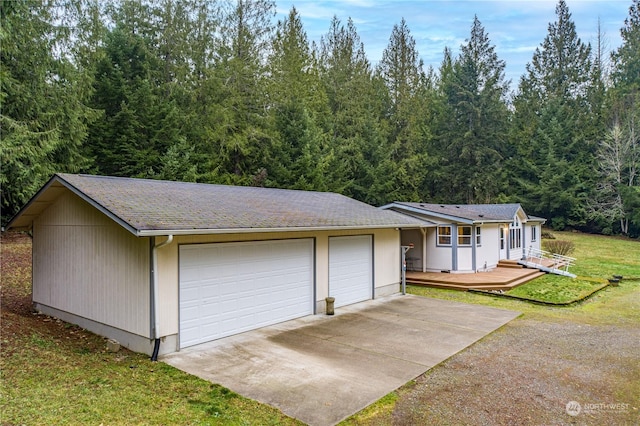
526 374
537 370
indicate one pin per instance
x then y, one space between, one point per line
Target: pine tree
299 103
406 158
357 125
552 109
239 129
44 117
474 128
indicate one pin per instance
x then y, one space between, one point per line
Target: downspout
523 241
154 303
424 249
454 247
474 251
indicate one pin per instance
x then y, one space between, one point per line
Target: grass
56 373
557 289
599 258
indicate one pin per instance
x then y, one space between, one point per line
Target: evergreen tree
553 125
44 117
298 102
357 127
139 124
626 59
618 156
406 158
238 125
474 130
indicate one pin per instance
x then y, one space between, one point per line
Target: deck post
405 249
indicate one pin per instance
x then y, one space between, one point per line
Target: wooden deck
505 277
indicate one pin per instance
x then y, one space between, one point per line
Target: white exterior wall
386 274
489 250
465 259
438 258
528 234
86 266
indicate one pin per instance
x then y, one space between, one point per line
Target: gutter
210 231
155 317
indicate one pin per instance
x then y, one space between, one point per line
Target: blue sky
515 27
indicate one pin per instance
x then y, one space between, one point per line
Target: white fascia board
160 232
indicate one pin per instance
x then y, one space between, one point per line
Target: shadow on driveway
321 369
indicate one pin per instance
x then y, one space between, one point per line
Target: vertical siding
87 265
387 257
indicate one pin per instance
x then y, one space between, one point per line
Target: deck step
509 264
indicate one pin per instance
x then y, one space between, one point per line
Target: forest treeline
223 92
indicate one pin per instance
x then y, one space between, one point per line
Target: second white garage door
350 269
229 288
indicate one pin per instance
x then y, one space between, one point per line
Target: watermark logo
573 408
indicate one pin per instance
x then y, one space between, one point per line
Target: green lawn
54 373
598 258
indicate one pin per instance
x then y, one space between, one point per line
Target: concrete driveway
321 369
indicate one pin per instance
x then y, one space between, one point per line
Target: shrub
560 247
548 235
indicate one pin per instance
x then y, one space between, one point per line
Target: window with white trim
444 235
534 233
515 238
478 236
464 235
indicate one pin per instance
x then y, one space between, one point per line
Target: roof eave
208 231
57 178
428 213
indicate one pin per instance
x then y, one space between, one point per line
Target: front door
503 243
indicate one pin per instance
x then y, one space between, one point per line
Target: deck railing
551 262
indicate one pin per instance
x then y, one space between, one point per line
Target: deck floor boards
500 278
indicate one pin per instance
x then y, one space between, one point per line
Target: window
515 238
478 236
464 235
534 233
444 235
502 245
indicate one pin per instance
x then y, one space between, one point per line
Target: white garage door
350 269
229 288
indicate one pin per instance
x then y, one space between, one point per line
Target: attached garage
229 288
350 269
174 264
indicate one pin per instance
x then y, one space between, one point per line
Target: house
467 237
160 266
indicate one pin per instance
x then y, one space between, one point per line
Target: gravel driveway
527 372
536 368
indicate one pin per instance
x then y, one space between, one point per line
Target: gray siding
87 265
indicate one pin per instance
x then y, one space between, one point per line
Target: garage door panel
229 288
350 269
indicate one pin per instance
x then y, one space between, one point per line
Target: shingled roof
472 213
155 207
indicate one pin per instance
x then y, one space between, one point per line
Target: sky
516 28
